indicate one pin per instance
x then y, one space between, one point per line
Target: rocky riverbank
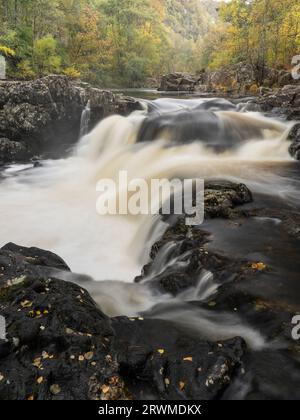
42 117
242 79
60 345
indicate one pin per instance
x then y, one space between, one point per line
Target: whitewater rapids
54 206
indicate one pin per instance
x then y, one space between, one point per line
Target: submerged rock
44 115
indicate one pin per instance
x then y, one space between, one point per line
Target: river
52 206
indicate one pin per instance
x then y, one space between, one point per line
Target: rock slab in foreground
43 116
61 346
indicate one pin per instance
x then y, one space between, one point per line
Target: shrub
72 72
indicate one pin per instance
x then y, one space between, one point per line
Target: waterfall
85 120
63 193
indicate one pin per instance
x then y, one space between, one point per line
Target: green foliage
45 56
109 42
72 72
24 70
260 32
6 51
123 42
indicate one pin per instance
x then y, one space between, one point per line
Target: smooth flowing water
54 206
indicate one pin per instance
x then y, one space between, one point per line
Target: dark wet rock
284 102
45 114
187 260
201 123
294 137
223 198
178 82
60 346
12 151
15 259
184 245
55 334
172 363
249 294
289 219
268 375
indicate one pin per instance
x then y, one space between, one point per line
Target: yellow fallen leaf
181 385
55 389
40 380
30 398
105 389
259 266
188 359
26 304
37 362
161 351
89 355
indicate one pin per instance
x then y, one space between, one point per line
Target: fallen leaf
55 389
37 362
26 304
181 385
40 380
89 355
188 359
105 389
259 266
161 351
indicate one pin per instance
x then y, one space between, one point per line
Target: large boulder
183 82
45 114
60 346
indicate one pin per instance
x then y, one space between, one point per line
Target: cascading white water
53 207
85 120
